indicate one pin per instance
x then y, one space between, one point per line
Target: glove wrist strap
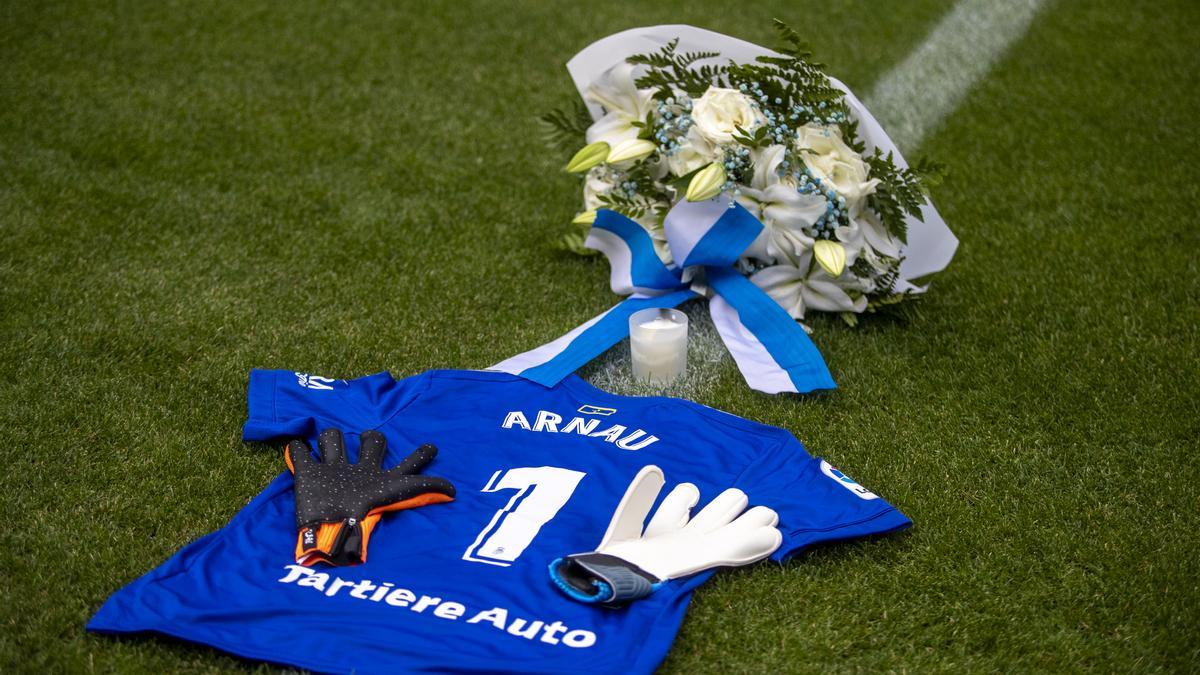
602 578
336 543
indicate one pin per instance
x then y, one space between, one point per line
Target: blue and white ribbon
772 351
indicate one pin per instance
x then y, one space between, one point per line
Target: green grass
190 190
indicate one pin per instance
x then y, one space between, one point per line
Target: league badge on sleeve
846 481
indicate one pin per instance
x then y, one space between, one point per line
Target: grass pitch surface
189 190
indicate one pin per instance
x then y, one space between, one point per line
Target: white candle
658 344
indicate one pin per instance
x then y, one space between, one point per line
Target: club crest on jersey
314 381
617 434
846 481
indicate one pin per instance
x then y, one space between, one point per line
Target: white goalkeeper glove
631 563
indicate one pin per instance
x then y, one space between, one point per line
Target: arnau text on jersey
549 422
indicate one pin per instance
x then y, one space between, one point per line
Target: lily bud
831 256
634 148
590 155
585 218
707 183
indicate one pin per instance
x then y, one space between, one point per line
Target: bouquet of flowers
774 135
716 168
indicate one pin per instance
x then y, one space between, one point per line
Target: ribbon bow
772 351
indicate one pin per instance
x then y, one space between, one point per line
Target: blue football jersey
463 586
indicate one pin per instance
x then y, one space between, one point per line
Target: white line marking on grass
923 89
909 101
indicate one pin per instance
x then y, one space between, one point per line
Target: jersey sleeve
283 403
816 502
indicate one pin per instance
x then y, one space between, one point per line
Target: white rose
694 152
719 112
836 164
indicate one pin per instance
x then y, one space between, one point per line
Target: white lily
852 239
782 209
588 156
865 237
876 235
597 184
623 105
831 256
800 288
632 149
707 183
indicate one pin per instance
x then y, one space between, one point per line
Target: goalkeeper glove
631 563
338 504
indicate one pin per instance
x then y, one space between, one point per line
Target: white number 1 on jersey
541 492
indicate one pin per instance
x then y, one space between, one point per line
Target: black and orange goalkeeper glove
338 503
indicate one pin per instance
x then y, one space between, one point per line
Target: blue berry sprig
673 121
835 214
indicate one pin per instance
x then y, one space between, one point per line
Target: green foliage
572 242
886 283
929 173
896 305
636 206
646 126
758 138
793 78
850 136
791 44
669 70
899 193
566 129
649 196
